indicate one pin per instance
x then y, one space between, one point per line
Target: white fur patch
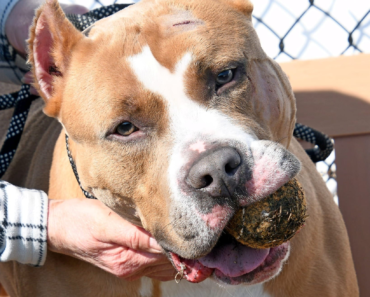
192 127
190 122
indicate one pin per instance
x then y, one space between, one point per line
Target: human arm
23 220
81 228
102 238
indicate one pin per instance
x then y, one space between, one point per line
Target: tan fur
58 27
96 89
313 268
241 5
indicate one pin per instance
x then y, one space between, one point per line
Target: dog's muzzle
217 173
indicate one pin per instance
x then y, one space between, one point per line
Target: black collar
74 168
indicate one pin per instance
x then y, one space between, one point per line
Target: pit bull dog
176 118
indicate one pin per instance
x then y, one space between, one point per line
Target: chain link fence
304 29
307 29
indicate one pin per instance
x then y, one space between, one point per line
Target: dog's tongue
234 259
228 257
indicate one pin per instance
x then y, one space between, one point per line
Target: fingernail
154 245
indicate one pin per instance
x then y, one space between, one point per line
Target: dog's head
176 119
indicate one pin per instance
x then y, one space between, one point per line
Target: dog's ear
275 95
52 37
245 6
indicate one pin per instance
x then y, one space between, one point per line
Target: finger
147 260
158 266
128 235
129 264
140 240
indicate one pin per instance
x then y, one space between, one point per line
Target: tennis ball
271 221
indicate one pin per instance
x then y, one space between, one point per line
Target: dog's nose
216 172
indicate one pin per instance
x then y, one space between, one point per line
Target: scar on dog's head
52 37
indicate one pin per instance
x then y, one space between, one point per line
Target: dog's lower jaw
122 205
231 263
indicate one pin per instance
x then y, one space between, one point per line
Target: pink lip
253 266
218 217
194 271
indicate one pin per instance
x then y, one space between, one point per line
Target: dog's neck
63 184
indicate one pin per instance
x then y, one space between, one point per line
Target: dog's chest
204 289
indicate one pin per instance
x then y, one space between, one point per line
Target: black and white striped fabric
23 231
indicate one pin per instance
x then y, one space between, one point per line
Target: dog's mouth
232 263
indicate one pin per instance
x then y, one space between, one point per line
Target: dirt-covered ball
272 220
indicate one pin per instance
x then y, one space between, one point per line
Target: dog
176 118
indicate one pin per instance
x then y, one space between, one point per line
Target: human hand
90 231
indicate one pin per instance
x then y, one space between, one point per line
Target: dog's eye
224 77
126 128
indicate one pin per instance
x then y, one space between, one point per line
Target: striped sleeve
23 231
12 66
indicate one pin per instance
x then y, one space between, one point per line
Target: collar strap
74 168
82 22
